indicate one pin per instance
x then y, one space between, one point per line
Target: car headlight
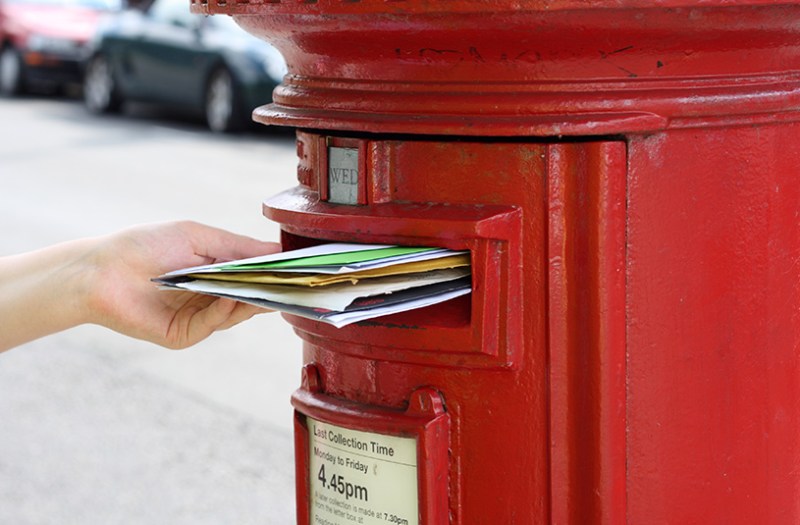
48 44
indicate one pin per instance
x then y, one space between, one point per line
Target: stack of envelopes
335 283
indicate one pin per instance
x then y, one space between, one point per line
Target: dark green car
166 55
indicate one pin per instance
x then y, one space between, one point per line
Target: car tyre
222 103
12 72
100 92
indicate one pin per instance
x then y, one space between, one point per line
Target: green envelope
335 259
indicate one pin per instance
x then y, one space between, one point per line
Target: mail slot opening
472 330
450 313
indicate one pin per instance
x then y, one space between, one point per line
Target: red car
43 42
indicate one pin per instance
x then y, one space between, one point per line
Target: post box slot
470 331
454 313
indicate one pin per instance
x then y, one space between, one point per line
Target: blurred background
96 428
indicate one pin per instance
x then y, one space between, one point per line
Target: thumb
222 245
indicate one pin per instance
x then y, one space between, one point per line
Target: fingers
220 314
241 312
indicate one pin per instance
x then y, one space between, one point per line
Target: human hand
123 298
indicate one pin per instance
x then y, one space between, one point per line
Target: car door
169 58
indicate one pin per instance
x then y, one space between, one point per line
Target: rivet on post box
624 177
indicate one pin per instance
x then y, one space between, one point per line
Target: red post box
625 176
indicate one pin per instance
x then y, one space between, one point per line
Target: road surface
96 428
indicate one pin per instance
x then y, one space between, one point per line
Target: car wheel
222 105
100 93
12 73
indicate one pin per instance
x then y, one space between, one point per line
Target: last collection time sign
361 477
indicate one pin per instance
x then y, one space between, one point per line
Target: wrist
78 278
45 291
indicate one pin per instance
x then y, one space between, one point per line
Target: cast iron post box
625 176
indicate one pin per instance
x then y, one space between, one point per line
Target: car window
173 12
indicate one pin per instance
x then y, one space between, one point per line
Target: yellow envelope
306 279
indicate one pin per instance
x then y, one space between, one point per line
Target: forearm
45 291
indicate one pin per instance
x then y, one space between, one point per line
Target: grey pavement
96 428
